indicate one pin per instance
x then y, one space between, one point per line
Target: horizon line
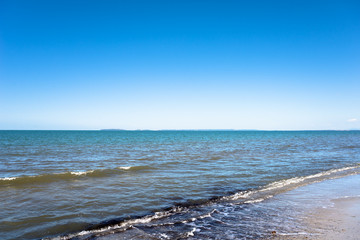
155 130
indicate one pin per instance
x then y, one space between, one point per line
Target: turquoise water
56 183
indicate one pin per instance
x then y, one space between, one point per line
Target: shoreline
332 210
328 209
340 221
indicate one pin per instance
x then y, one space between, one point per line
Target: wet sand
335 218
340 221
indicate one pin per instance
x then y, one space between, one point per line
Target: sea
163 184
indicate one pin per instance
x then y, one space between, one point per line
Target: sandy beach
334 218
340 221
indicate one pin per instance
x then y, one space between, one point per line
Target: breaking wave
70 175
171 215
277 187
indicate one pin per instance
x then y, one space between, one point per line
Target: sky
272 65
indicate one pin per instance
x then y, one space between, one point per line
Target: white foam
125 168
295 180
81 172
164 236
255 200
8 178
200 217
208 214
125 224
283 183
239 195
191 233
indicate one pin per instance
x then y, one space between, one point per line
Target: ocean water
161 184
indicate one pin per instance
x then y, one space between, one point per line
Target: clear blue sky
179 64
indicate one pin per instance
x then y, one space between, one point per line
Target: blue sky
179 64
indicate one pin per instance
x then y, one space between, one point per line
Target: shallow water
62 182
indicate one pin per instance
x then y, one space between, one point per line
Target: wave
103 229
136 168
251 196
69 175
277 187
7 178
